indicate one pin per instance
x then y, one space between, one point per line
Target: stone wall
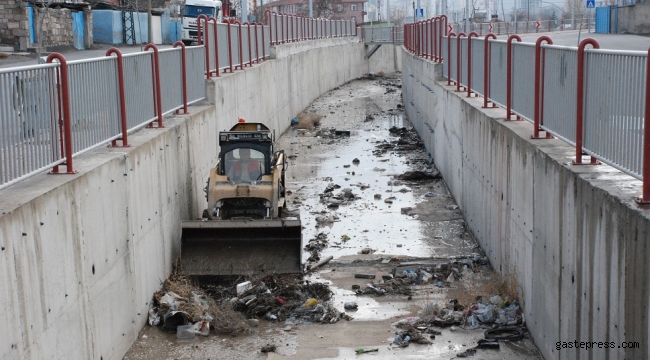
57 25
13 22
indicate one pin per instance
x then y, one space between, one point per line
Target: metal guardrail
614 115
382 35
560 87
596 100
51 113
521 27
290 28
29 108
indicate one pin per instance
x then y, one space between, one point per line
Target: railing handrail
540 83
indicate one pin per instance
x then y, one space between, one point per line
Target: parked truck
192 10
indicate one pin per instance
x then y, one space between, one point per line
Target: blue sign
422 12
591 4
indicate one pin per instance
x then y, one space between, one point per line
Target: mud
343 178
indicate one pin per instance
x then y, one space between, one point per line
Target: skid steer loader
243 230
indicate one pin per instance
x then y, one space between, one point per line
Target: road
606 41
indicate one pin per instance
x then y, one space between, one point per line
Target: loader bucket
236 247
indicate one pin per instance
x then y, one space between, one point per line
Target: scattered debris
364 276
307 120
268 348
508 333
418 175
321 263
350 305
226 308
363 351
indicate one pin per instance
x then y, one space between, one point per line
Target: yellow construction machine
243 230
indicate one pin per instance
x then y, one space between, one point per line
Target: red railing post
580 99
539 86
250 51
257 42
201 42
64 102
509 75
449 57
645 173
289 28
434 39
120 80
469 62
442 31
277 39
263 48
421 40
216 44
241 50
230 68
156 84
486 68
427 39
458 65
184 73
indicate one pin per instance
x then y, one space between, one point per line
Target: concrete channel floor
432 229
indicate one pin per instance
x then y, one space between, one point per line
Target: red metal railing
64 114
538 121
120 78
156 84
509 78
425 39
458 64
184 72
486 68
469 62
580 99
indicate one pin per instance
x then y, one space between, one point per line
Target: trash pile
480 314
408 140
315 246
192 310
441 275
502 322
411 333
331 133
495 310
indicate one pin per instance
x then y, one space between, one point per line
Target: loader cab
246 153
245 164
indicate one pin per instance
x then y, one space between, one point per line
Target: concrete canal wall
81 255
572 235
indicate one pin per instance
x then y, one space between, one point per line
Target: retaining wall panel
573 236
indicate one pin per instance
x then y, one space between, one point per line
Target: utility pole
527 14
573 17
516 11
244 11
387 11
311 9
467 16
150 28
